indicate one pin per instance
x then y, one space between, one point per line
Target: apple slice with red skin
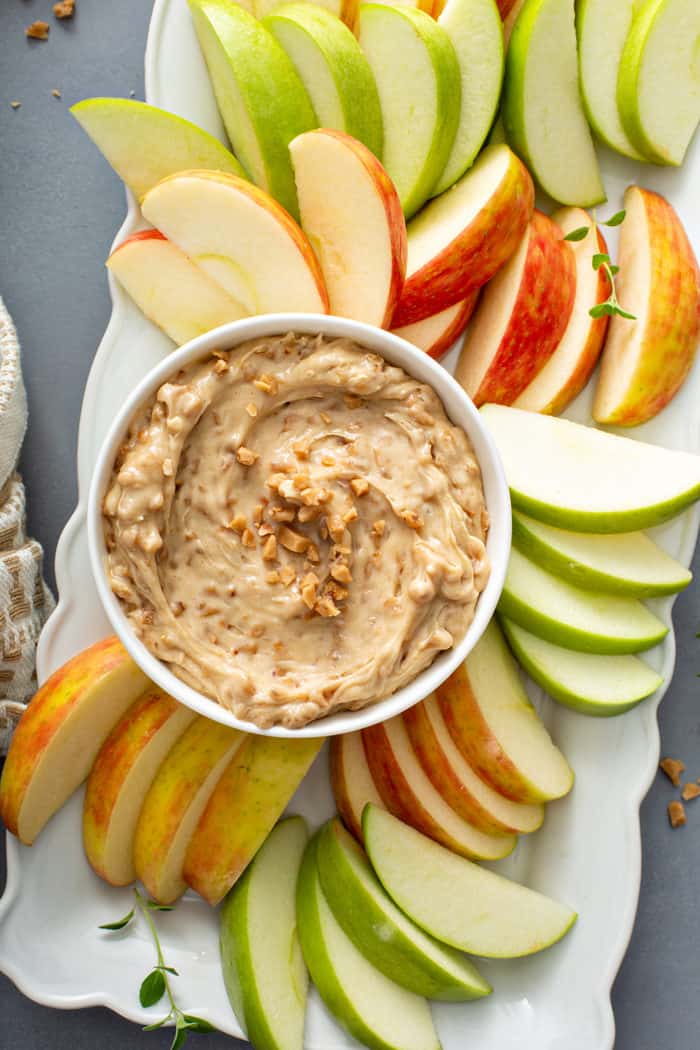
61 731
521 317
505 7
570 366
435 335
462 238
646 360
351 780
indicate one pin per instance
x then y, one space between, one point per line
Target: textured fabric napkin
25 600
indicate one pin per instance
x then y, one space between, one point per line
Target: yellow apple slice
120 778
169 289
245 805
352 215
175 802
351 780
61 732
435 335
241 238
646 360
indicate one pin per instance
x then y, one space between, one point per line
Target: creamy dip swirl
295 527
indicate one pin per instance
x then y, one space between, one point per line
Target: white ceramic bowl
460 410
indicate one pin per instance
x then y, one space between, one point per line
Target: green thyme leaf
601 310
179 1038
617 219
168 969
578 234
119 924
600 259
157 1024
623 313
155 906
197 1024
152 988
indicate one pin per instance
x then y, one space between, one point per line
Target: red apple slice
521 317
242 238
409 794
570 366
351 213
461 238
169 289
351 780
646 360
437 334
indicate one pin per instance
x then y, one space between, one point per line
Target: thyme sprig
601 260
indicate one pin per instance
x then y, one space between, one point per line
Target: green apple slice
263 968
375 1010
628 563
262 100
458 901
335 73
577 477
120 127
542 110
386 937
658 87
476 32
418 79
602 28
567 615
587 682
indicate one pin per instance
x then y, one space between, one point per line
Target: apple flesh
169 289
61 732
351 780
435 335
463 237
645 361
241 238
351 213
496 728
256 786
521 317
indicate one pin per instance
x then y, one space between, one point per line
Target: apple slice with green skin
61 731
119 127
334 71
461 787
120 778
408 792
262 100
576 477
587 682
372 1008
601 30
351 780
418 79
462 238
175 801
569 368
435 335
381 932
241 238
264 972
496 728
343 9
629 563
553 140
351 213
658 86
646 360
483 913
521 317
256 786
567 615
169 289
476 32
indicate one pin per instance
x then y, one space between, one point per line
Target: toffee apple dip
295 527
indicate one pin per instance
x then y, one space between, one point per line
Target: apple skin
47 759
476 253
537 321
637 381
435 335
256 786
505 7
351 780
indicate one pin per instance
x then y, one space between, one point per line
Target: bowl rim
459 409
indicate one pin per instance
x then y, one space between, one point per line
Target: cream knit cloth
25 600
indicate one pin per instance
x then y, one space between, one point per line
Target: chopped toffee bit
676 814
265 530
335 591
326 607
64 9
287 575
56 93
307 514
327 461
38 31
266 383
257 513
15 103
378 527
221 367
336 527
246 457
252 410
360 486
273 577
309 589
341 573
248 538
413 520
350 515
300 451
277 513
168 468
238 523
293 541
690 791
269 551
672 767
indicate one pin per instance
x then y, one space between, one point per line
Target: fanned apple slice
461 238
435 335
241 238
569 368
646 360
351 213
169 289
521 317
351 780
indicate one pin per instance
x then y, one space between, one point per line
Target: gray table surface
60 206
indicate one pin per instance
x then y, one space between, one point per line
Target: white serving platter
587 854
